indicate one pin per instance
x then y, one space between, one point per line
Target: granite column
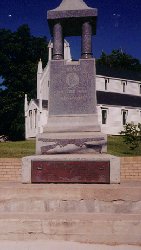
58 42
86 40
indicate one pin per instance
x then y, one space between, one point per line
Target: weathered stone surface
43 244
86 142
41 205
23 205
90 228
82 198
128 191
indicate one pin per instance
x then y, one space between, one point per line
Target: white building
118 99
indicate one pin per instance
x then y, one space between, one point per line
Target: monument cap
72 14
72 5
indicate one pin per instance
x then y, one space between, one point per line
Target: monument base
72 123
70 172
66 168
70 143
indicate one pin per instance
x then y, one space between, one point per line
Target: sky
118 26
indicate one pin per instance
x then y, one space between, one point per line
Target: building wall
114 122
32 118
116 85
41 119
44 83
44 117
10 169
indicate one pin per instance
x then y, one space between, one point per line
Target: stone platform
90 228
96 214
59 245
71 168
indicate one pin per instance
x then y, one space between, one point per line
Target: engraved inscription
72 88
70 172
72 80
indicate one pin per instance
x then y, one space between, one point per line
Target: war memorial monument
72 148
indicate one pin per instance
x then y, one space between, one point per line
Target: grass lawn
17 149
116 146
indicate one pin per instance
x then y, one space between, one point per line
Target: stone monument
72 147
73 121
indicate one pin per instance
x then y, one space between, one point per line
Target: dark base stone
71 168
70 172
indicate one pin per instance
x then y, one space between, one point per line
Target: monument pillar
58 42
86 40
72 148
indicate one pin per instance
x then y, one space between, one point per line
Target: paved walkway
55 245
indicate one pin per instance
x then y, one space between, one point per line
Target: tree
119 60
19 56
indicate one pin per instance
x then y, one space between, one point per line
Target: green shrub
132 135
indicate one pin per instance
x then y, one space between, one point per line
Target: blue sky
119 23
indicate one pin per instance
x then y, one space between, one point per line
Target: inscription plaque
70 172
72 88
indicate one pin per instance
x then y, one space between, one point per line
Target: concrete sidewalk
58 245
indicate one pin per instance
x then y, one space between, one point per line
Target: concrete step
69 206
68 198
85 227
59 245
127 191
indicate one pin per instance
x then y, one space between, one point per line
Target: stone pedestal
78 142
87 168
72 125
72 97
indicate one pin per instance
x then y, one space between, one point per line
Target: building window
30 119
35 118
106 83
104 116
124 116
124 83
51 53
140 89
